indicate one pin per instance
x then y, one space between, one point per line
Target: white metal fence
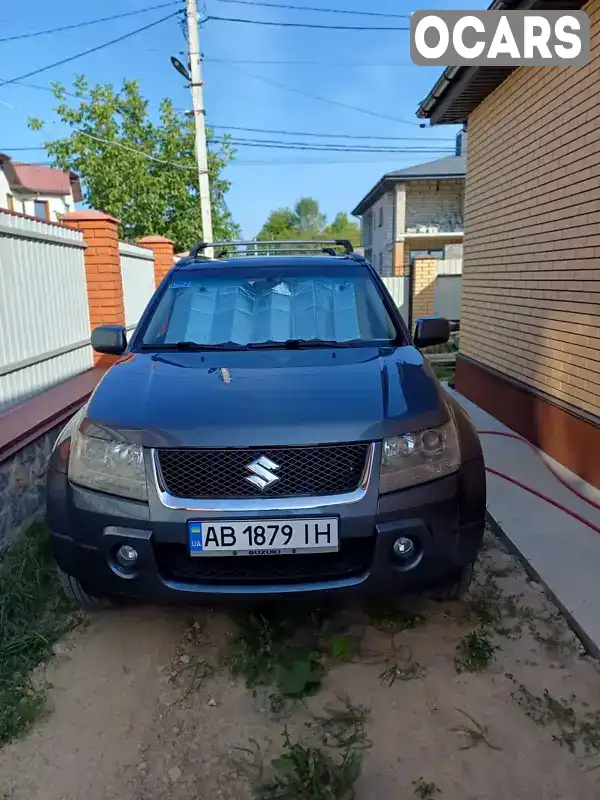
137 273
44 313
398 288
449 266
447 296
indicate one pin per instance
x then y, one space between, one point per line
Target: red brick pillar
102 269
163 255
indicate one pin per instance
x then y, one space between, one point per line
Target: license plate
273 537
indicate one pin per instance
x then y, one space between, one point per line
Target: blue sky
233 96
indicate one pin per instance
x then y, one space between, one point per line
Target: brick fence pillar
163 255
399 259
424 273
102 269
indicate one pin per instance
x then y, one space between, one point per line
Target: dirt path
145 707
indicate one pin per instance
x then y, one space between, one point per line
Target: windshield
249 306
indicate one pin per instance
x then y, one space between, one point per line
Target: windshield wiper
194 346
296 344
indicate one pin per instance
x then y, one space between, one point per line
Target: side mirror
109 339
430 331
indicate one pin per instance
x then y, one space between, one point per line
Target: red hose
535 492
537 451
568 511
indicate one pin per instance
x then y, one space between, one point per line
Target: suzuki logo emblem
263 469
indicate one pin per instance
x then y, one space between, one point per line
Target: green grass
474 651
287 653
303 772
444 372
33 617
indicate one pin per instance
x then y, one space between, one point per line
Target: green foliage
108 129
306 221
33 616
475 651
303 772
279 652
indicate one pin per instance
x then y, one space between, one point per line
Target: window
380 217
240 306
10 202
439 254
41 209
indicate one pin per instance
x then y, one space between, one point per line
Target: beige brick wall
425 243
531 273
424 287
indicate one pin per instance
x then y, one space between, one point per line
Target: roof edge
456 80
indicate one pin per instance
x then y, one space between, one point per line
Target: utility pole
196 86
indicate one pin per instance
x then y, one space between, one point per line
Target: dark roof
442 168
460 90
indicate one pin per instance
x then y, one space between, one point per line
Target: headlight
106 466
415 458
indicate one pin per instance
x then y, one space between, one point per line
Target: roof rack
276 246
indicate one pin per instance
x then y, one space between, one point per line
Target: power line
329 135
345 64
312 8
324 99
306 24
89 22
87 52
327 148
300 162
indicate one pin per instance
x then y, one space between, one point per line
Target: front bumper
445 517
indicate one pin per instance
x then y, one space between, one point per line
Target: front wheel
456 586
74 591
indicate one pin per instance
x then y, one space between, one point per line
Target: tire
457 587
74 591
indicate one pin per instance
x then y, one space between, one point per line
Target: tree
343 227
155 193
306 221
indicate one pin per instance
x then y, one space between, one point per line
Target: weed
33 616
500 572
401 672
574 730
343 647
474 732
386 617
345 727
303 772
288 654
474 651
426 790
486 601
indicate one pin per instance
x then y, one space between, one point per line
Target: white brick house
413 212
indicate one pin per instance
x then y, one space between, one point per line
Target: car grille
319 470
353 559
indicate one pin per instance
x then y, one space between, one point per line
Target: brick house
414 212
37 191
530 332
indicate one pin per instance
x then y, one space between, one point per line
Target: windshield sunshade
245 310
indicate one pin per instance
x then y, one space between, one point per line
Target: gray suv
270 429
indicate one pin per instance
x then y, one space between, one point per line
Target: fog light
126 556
404 548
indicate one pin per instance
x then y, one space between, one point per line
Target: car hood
268 397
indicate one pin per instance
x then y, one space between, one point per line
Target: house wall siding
437 204
383 236
531 272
